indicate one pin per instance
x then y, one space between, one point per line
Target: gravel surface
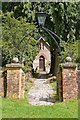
41 93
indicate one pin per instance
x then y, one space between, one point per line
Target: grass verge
21 109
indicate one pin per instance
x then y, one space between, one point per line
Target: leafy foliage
17 39
63 18
69 49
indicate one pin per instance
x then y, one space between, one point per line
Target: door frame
42 63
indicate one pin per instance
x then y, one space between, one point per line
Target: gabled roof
42 39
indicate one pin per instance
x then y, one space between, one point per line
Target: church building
43 59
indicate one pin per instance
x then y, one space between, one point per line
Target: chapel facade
43 59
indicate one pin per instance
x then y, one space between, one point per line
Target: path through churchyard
41 93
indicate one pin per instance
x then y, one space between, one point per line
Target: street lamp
41 16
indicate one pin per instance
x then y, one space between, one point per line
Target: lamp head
41 17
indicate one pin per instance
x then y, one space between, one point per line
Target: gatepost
15 80
68 81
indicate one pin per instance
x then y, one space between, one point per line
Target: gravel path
42 92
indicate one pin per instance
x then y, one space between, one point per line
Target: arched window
41 46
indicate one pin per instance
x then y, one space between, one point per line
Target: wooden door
42 63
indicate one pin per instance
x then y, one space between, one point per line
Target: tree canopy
17 39
18 19
63 17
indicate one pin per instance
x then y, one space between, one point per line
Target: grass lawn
21 109
14 108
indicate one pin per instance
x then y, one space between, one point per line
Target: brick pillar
1 83
69 81
15 81
78 80
22 83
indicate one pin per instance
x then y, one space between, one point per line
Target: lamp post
41 17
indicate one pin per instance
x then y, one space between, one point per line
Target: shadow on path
42 75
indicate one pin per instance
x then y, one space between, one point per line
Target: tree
69 49
63 18
13 41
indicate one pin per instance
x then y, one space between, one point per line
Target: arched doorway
41 63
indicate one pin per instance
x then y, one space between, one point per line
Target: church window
43 46
40 46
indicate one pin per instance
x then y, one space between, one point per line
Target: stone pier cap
14 65
69 63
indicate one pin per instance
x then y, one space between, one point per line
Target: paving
41 93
